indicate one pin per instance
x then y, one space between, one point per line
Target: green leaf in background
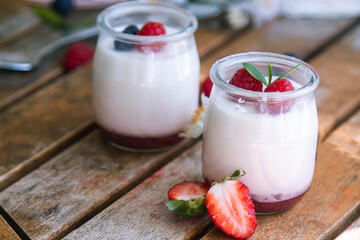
255 72
49 16
190 208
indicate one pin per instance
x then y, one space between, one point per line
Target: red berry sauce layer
140 144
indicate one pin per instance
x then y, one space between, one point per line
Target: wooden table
59 179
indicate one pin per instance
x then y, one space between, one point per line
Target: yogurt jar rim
309 87
104 23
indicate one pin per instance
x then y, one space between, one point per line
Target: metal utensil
19 62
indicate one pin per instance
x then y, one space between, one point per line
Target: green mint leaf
255 72
49 16
270 73
288 72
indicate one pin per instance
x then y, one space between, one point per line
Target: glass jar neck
138 13
223 69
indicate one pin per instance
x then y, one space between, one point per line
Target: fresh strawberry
187 198
77 54
206 86
280 85
243 79
230 207
152 29
188 190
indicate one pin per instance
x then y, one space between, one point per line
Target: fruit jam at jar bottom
137 143
275 207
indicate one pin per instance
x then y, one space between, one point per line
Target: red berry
243 79
207 86
230 207
273 108
188 190
280 85
77 54
152 29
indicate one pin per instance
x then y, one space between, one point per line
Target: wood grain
301 36
50 116
333 199
338 93
6 232
352 232
347 136
142 213
78 183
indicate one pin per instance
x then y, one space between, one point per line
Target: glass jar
272 136
145 88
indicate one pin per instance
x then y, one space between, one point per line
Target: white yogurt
277 152
143 95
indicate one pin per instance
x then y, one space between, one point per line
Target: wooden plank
347 136
338 93
352 232
6 232
301 36
78 183
333 199
16 18
142 213
33 129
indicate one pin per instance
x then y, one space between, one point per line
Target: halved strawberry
188 198
230 207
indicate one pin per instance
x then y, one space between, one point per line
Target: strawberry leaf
285 74
270 73
255 72
190 208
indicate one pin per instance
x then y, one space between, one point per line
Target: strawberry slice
230 207
188 198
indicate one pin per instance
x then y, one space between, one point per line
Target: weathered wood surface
352 232
6 232
347 136
338 93
77 184
300 36
142 213
332 200
30 129
16 18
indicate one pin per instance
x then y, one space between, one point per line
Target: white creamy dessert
277 151
145 95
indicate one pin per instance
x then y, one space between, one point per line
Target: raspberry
152 29
77 54
122 46
243 79
207 86
62 7
280 85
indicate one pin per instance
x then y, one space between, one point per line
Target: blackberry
122 46
63 7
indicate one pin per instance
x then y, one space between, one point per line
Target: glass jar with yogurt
272 136
145 88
